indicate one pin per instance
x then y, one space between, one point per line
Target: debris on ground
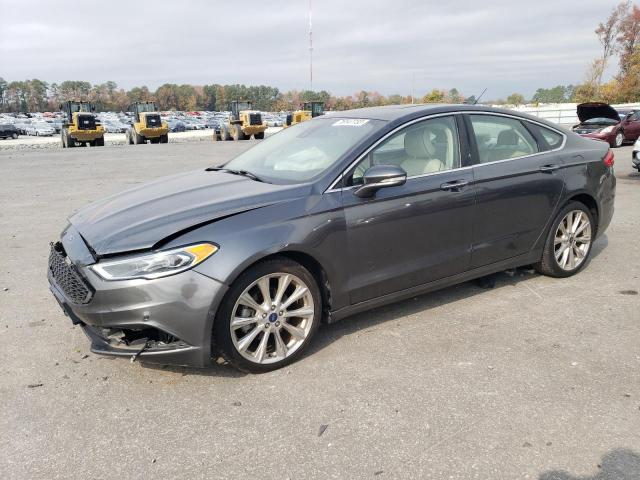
237 404
34 385
322 429
628 292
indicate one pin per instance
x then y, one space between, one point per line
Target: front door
418 232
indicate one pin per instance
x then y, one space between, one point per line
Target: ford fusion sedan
323 220
601 121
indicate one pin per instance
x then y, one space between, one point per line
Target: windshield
146 107
300 153
600 121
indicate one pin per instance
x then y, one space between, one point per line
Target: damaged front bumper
165 321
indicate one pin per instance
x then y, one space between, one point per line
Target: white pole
310 50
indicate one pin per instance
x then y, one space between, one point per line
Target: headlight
608 129
155 265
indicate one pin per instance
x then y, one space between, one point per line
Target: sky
385 46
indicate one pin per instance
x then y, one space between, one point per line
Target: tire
238 134
259 136
574 246
164 138
99 142
137 139
224 133
14 136
267 323
619 140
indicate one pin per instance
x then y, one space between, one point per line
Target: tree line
38 96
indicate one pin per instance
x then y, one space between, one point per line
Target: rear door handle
549 168
454 186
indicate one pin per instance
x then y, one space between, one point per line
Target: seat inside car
421 153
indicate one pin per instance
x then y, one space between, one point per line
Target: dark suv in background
8 131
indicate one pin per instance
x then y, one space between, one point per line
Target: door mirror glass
380 176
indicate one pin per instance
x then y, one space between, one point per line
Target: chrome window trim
332 188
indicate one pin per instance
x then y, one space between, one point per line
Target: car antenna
478 99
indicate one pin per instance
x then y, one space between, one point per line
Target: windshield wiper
243 173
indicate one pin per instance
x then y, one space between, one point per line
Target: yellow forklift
242 123
308 111
147 124
80 127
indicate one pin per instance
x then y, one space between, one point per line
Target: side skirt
519 261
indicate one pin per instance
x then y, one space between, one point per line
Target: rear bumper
170 317
606 199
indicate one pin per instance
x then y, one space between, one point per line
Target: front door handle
549 168
454 186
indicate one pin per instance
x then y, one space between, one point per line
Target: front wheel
14 135
569 242
619 140
268 317
259 136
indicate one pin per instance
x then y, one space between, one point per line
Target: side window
635 116
552 140
425 147
501 138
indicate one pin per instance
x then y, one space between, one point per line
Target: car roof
394 112
401 113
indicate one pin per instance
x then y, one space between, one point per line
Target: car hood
141 217
587 111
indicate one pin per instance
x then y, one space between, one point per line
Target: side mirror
380 176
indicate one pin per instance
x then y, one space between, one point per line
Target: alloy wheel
272 318
572 240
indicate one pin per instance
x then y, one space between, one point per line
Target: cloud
507 46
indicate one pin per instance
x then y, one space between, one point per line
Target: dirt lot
532 378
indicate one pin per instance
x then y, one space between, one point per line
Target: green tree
515 99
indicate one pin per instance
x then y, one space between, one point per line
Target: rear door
519 181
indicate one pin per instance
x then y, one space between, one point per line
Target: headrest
417 144
507 137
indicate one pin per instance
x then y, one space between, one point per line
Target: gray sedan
331 217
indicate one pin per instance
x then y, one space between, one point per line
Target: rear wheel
269 316
259 136
164 138
14 135
99 142
569 242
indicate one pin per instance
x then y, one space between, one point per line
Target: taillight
609 159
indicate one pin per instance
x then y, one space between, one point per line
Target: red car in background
603 122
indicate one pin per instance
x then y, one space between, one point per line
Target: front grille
86 122
255 119
153 121
67 277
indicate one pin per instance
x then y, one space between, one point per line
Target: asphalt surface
536 378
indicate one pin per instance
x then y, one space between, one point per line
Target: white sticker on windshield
350 122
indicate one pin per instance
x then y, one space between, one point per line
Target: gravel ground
537 378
